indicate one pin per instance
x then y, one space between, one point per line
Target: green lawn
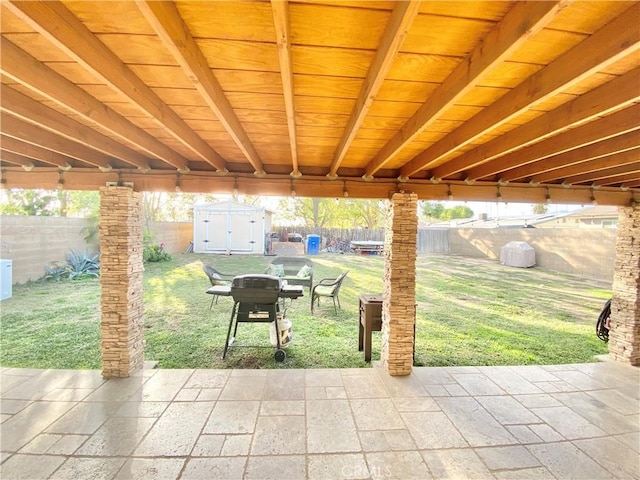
469 312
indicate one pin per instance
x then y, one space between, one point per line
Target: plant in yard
56 271
83 264
78 265
155 253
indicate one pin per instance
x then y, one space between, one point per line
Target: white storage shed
230 227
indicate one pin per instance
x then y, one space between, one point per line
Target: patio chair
218 280
328 287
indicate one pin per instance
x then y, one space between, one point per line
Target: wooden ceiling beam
16 128
28 109
614 41
34 151
616 164
166 21
619 179
610 126
56 23
29 72
282 23
615 94
316 186
574 159
519 24
402 17
16 159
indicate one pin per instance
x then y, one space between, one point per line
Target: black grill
262 289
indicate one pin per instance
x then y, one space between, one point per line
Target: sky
495 209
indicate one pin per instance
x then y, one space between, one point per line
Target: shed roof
473 100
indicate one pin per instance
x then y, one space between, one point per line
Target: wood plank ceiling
486 100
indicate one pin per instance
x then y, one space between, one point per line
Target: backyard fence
430 240
34 242
330 234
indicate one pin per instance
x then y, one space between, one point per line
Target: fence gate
433 240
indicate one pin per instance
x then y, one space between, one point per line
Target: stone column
121 328
624 336
399 292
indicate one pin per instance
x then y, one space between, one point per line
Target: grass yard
469 312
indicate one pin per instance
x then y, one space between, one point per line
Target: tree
540 209
331 213
365 213
433 210
460 211
30 202
436 210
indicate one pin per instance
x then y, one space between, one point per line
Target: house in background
590 217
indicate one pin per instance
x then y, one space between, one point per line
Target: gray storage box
518 254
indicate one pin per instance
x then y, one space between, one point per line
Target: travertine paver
233 417
150 469
279 435
176 431
337 466
565 460
477 426
116 437
24 466
507 410
275 468
376 414
397 466
351 423
455 463
330 427
424 425
221 467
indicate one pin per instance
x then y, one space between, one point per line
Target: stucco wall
587 252
34 242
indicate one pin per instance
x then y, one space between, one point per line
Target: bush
155 253
78 265
85 264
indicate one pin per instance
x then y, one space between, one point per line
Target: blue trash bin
313 244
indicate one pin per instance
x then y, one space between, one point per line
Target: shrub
83 264
78 265
56 271
155 253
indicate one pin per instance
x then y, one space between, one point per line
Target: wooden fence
430 240
333 234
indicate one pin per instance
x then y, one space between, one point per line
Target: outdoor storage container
313 244
6 279
518 254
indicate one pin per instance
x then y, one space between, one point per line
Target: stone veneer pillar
624 336
121 270
399 292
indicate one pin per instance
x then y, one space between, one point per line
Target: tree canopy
437 211
330 213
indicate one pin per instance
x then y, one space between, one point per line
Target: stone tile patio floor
535 422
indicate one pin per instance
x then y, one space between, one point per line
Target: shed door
241 231
215 237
